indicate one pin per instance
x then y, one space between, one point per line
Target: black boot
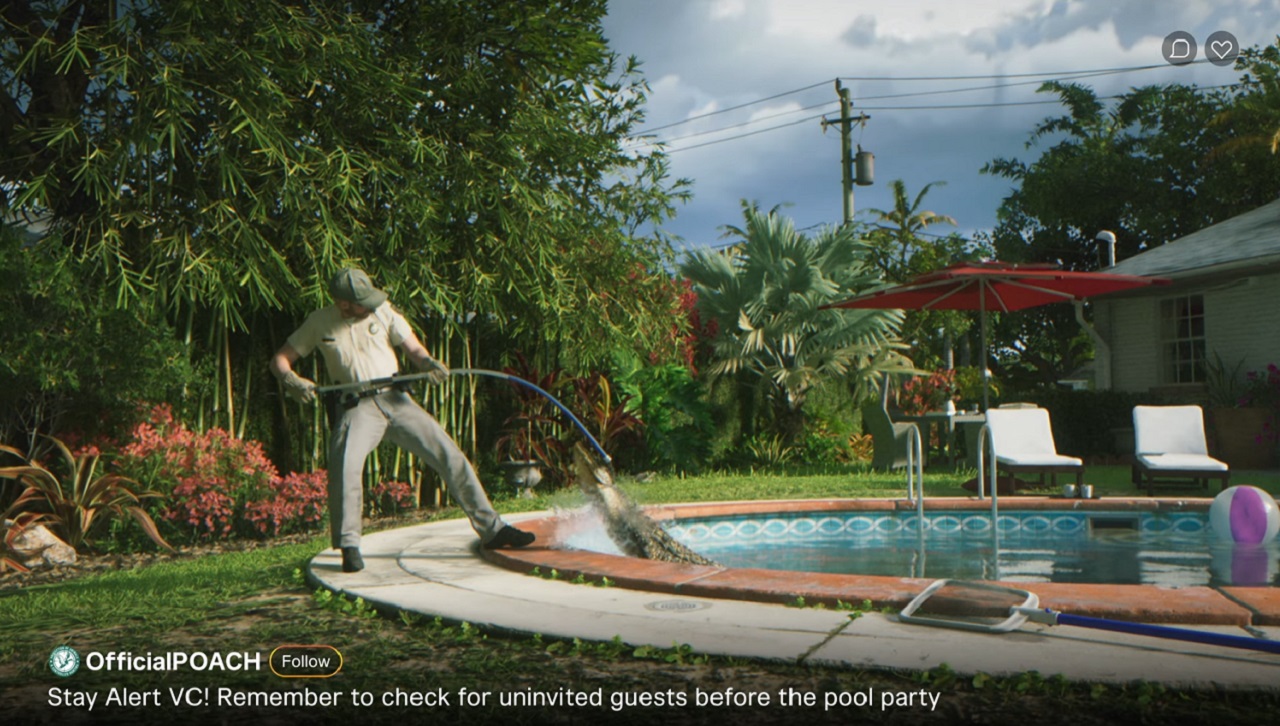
509 536
351 560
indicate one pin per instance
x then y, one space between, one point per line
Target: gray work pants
394 415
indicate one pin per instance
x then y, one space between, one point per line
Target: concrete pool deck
438 570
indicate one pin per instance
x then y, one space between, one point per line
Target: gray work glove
298 388
436 371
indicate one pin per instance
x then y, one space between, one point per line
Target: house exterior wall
1135 344
1242 323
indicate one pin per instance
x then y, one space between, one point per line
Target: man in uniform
357 336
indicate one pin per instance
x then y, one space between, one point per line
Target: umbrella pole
982 350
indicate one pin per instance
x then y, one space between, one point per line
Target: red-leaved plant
389 497
76 498
930 393
299 504
216 485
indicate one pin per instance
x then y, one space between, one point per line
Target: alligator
633 531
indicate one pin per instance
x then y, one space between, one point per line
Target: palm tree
901 254
904 223
766 295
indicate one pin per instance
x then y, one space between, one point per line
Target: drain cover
677 606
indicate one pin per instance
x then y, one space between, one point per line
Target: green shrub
69 355
674 408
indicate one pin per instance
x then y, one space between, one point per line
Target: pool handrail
915 471
986 444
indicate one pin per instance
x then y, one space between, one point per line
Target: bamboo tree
219 160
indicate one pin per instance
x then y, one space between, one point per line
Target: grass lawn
256 600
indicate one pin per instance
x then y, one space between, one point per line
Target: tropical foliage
766 295
903 248
73 360
677 415
14 520
78 503
899 249
203 167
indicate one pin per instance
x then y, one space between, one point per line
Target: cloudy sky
739 88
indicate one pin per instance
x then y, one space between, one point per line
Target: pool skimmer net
989 608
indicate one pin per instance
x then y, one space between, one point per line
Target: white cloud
775 114
708 108
723 9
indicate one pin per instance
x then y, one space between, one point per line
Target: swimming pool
560 553
1170 549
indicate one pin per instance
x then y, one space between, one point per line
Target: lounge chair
1170 448
1023 443
889 438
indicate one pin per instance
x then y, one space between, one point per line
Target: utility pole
846 150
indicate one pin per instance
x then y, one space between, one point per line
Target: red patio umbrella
1001 286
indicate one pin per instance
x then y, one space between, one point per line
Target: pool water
1171 549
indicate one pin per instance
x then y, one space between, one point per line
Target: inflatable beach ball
1244 515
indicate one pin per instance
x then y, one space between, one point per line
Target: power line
741 105
942 107
1100 71
744 123
1000 104
996 87
1050 75
749 133
936 107
917 94
874 108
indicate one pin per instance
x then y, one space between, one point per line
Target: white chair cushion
1018 433
1181 462
1169 430
1040 460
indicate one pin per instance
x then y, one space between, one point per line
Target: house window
1182 339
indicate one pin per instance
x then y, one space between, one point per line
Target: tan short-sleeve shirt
354 350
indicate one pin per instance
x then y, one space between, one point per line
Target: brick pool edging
1240 606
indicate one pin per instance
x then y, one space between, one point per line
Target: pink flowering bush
298 504
928 393
389 497
215 485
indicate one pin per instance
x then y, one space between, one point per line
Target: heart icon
1221 48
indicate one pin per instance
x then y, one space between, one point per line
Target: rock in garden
36 546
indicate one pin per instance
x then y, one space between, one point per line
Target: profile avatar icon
64 661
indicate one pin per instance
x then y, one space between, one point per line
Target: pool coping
1200 605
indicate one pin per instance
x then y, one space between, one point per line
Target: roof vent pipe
1106 249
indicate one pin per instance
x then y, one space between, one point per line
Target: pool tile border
1240 606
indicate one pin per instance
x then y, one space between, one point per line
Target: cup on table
1069 491
1086 491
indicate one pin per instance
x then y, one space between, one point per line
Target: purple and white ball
1244 515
